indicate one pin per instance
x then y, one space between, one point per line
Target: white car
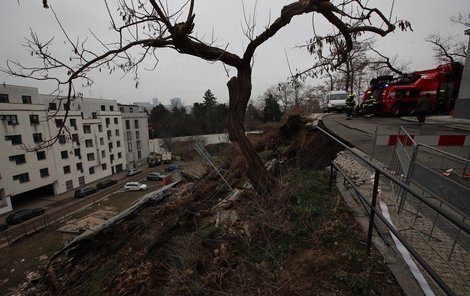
133 172
135 186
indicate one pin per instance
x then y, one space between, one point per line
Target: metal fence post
372 210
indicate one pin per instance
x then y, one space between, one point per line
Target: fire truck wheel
396 109
411 109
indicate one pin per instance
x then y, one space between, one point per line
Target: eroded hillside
201 239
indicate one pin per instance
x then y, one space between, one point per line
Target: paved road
66 203
360 132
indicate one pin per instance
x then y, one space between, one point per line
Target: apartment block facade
135 127
91 146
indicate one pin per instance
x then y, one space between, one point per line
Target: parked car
155 176
172 167
154 163
3 227
135 186
133 172
23 215
105 183
84 191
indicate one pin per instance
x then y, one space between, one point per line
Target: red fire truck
398 95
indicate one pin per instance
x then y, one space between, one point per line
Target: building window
108 122
111 157
62 139
80 167
41 155
111 108
58 122
10 119
128 124
37 137
103 153
117 133
75 138
129 146
94 115
137 135
101 141
103 108
119 155
4 98
121 109
90 156
104 167
91 170
87 129
44 172
118 143
136 123
15 139
66 169
129 136
100 128
110 147
116 120
73 123
77 153
139 155
66 106
138 145
18 159
34 119
23 178
52 106
88 143
131 110
26 99
64 154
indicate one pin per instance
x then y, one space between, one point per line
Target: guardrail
380 175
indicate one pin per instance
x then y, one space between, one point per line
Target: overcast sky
187 77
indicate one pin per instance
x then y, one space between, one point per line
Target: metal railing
388 131
379 175
438 188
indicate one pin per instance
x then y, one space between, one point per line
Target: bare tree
462 18
450 49
447 49
151 25
176 103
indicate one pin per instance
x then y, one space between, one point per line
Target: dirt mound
203 240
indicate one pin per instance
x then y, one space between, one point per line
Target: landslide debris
204 240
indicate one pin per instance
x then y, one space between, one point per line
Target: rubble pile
203 239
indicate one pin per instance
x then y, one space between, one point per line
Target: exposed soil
301 241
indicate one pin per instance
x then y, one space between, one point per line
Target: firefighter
350 103
423 107
441 102
369 106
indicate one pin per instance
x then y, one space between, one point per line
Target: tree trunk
239 94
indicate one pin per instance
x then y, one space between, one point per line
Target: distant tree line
208 117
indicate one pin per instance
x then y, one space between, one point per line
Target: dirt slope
301 241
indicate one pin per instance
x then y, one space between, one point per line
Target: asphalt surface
64 204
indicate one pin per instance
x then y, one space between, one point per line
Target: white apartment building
90 147
135 127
